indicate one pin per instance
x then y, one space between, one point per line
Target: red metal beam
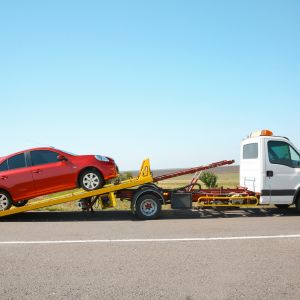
193 170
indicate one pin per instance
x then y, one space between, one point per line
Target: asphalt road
110 255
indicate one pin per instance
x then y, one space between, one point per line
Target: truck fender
147 190
148 186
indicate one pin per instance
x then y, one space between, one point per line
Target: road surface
234 254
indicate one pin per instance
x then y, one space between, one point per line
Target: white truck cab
270 166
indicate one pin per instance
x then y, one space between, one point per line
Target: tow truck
269 175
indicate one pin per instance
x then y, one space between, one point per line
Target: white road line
199 239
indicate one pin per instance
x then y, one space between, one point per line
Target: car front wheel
91 180
5 201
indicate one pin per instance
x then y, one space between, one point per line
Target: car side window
16 162
283 154
42 157
3 166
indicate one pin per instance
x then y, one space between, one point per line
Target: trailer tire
5 201
20 203
148 207
282 206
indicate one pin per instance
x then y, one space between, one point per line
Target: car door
49 174
282 172
16 178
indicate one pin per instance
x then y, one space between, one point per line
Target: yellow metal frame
244 198
144 176
112 201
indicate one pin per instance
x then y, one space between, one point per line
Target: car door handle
3 177
37 171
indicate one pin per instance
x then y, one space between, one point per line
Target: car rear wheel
91 180
20 203
5 201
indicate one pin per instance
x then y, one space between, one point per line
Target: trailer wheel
5 201
148 207
20 203
282 206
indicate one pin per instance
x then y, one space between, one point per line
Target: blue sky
181 82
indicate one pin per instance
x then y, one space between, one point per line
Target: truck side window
282 153
295 157
250 151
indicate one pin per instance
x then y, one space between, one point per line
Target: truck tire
148 207
282 206
298 204
20 203
5 201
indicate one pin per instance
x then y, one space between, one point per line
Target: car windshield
67 152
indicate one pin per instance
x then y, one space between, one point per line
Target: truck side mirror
270 173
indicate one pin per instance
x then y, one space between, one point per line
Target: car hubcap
4 202
90 181
148 207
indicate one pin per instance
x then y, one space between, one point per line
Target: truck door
282 172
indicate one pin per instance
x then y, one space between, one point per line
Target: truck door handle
37 171
270 173
3 177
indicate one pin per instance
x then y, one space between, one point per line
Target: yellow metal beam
144 176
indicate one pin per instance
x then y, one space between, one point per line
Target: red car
41 171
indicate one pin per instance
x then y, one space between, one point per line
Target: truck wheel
91 180
148 207
20 203
282 206
298 204
5 201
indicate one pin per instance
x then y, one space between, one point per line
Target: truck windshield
283 154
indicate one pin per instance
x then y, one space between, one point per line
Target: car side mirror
61 158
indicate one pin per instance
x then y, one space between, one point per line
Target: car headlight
101 158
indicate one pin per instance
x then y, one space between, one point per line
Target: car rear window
3 166
16 162
42 157
250 151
